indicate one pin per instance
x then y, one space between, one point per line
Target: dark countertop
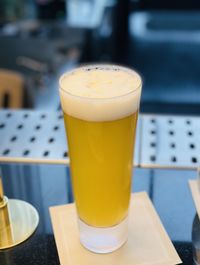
45 185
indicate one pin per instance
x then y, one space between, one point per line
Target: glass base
103 240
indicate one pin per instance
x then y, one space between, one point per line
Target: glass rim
93 66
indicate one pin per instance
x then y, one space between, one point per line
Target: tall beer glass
100 105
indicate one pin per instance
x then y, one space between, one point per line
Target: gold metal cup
18 220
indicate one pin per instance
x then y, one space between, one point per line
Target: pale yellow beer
100 105
101 164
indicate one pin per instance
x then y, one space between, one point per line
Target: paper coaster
148 242
195 194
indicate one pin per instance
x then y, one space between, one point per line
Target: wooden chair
11 89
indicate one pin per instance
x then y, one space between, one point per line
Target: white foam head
100 92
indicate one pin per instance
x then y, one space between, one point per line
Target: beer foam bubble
100 92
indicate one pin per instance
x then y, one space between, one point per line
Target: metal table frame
163 141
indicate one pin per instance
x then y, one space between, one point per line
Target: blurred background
40 39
